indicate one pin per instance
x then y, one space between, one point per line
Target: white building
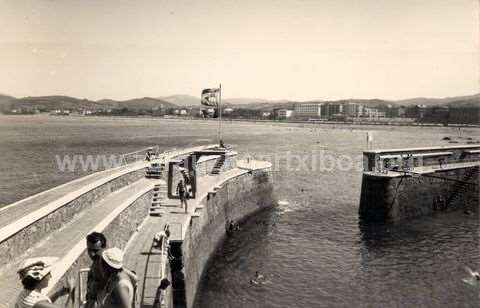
372 113
353 109
284 113
308 110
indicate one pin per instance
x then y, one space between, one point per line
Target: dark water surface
313 251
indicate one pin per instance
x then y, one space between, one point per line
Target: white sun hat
113 257
37 267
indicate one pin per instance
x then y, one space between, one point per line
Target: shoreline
258 121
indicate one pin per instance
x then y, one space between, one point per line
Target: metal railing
383 161
139 155
81 299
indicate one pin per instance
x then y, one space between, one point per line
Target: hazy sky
300 50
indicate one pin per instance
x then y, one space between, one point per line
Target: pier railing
140 154
161 298
408 159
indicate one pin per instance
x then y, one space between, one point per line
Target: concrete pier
123 204
404 183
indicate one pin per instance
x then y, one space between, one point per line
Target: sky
272 49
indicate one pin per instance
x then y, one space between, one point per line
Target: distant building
417 111
308 110
330 110
266 114
372 113
467 115
438 114
283 114
353 109
227 110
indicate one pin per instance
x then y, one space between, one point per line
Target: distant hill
457 101
468 102
262 106
241 100
188 100
181 100
48 103
145 103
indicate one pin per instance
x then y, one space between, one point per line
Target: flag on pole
209 97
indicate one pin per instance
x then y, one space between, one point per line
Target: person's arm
124 296
45 304
60 292
67 289
131 274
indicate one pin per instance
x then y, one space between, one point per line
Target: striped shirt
28 298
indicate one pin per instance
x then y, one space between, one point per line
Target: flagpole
219 113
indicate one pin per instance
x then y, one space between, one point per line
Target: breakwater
404 183
118 203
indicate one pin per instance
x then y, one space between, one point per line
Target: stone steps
218 165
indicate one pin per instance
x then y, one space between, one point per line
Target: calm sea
312 251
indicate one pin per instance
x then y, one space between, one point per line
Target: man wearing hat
96 244
118 291
35 276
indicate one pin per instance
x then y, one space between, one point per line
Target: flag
209 97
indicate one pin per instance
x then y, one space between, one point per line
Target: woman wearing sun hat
118 291
35 276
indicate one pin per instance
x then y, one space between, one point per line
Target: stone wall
18 243
118 232
394 198
238 198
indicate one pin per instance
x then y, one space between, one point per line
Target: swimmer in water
259 279
473 279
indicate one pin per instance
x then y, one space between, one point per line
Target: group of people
109 284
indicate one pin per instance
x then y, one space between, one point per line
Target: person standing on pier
119 289
96 244
182 194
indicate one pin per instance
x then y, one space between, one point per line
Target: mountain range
47 103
